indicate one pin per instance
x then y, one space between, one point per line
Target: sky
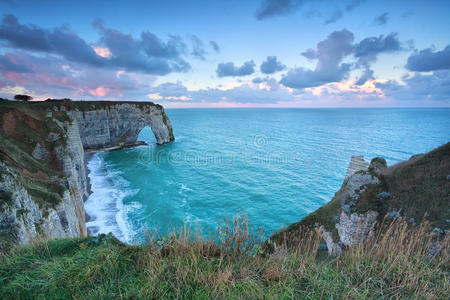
233 53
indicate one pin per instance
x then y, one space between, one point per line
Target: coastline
88 155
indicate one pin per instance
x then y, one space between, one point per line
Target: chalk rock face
355 228
118 124
332 246
357 163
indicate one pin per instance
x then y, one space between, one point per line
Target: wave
105 207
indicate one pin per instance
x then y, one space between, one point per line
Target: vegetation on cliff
416 190
394 264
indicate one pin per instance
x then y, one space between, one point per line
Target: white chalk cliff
43 182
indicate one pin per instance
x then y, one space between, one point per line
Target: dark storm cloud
381 19
429 60
271 8
271 65
229 69
329 68
214 46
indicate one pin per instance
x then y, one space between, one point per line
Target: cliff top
69 104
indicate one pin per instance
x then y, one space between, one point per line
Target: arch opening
146 135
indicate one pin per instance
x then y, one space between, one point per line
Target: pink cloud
15 77
100 91
103 52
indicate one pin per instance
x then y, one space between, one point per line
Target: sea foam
105 207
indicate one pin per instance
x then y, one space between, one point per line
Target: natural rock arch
115 125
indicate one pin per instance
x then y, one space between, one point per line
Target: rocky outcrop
355 228
43 181
116 125
357 163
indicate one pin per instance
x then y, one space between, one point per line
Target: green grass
184 267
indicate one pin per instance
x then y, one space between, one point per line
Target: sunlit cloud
101 91
231 85
155 96
103 52
119 73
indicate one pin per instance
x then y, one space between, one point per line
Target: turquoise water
273 165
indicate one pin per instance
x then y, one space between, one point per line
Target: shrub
23 97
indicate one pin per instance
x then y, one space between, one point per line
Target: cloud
198 48
50 76
367 50
434 86
147 54
329 68
24 37
170 89
381 19
267 90
271 8
214 46
366 75
429 60
60 41
271 65
229 69
336 15
9 64
354 4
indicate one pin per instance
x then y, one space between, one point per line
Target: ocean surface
273 165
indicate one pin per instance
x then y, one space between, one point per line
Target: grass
229 265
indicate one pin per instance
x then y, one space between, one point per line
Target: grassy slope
103 268
419 188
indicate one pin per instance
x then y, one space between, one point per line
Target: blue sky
274 53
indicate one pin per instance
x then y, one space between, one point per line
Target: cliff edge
414 190
43 181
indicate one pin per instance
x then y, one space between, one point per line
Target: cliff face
43 181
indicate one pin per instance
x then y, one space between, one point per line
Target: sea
271 166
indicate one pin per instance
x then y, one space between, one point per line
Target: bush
23 97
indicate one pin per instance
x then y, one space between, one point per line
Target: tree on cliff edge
23 97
